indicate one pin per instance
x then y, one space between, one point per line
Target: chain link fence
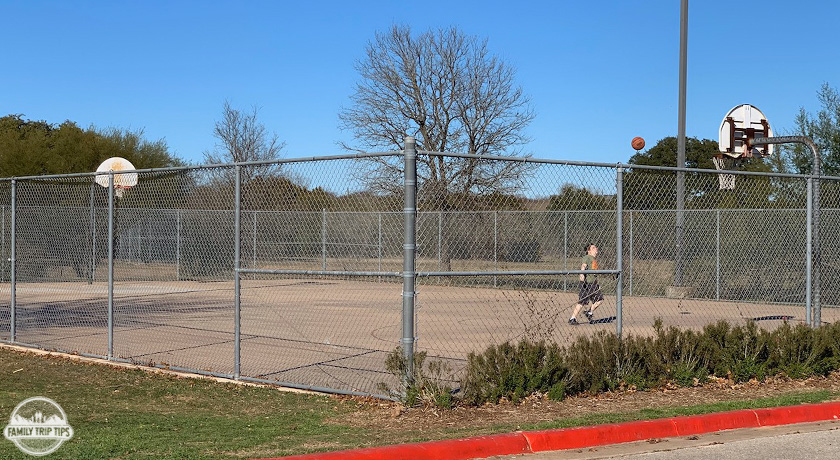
297 272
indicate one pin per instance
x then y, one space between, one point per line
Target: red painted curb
576 438
452 449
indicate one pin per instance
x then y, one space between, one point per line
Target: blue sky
598 73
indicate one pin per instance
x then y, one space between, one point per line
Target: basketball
637 143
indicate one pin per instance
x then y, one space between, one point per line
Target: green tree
573 198
824 129
648 189
29 148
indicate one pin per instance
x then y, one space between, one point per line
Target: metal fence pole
254 246
495 246
237 241
111 217
440 238
13 265
3 249
92 237
409 216
809 225
565 246
717 256
630 259
816 246
619 233
379 246
178 245
324 239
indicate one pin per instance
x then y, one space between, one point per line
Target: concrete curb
575 438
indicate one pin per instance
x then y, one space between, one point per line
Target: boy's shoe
589 315
573 322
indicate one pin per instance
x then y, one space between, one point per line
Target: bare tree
241 137
445 89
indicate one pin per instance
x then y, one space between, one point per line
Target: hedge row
672 355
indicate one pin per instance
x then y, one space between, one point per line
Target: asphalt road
807 441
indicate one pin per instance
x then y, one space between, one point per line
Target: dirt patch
389 417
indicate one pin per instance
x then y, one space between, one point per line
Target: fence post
440 238
816 245
111 218
495 246
324 239
619 233
254 246
565 246
809 221
717 257
630 261
178 245
409 216
237 241
92 237
13 264
379 239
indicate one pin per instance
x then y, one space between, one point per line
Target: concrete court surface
329 333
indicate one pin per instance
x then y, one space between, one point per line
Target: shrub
603 362
514 371
428 384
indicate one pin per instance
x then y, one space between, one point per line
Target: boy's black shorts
589 292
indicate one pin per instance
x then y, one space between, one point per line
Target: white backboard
124 180
740 125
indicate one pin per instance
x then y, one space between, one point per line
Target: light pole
678 259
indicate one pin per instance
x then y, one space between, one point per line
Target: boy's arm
582 267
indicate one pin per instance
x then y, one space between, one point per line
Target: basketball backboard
740 125
122 181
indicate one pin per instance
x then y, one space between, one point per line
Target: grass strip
134 414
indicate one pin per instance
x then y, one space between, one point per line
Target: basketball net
725 181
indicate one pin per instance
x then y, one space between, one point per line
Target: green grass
133 414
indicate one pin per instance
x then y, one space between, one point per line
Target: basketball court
332 333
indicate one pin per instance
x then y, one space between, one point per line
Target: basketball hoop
123 180
725 181
119 190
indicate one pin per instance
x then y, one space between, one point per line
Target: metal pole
814 227
717 257
237 242
149 240
111 217
409 215
809 219
3 249
92 237
379 246
565 246
178 245
254 246
495 246
324 239
619 233
440 238
678 262
13 263
630 261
